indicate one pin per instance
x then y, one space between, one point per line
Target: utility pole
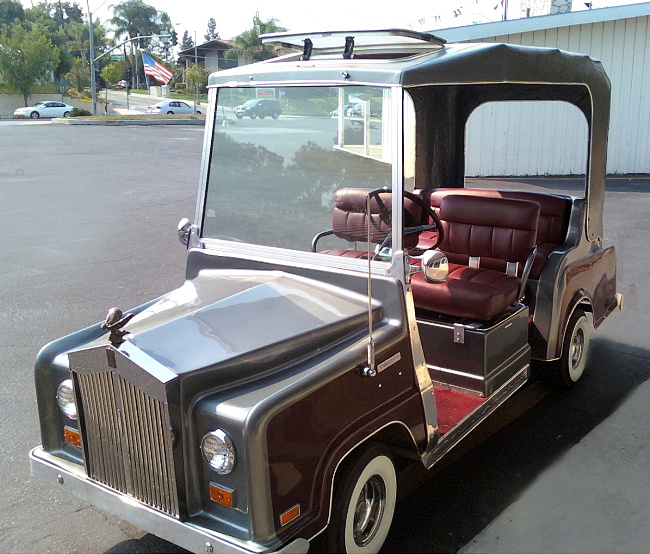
91 33
196 62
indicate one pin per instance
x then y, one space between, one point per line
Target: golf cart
351 306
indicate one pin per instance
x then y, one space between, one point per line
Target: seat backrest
496 230
349 220
553 214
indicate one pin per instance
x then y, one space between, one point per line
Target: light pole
92 58
196 62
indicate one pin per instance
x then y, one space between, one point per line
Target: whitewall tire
364 503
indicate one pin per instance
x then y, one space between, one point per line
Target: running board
452 437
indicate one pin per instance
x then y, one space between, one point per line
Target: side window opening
527 139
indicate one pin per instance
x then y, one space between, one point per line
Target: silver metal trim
459 333
194 538
474 261
205 162
511 268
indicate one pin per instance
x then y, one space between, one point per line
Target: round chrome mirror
184 230
435 266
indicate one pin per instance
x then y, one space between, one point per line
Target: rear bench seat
482 237
551 229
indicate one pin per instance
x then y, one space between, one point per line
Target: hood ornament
114 323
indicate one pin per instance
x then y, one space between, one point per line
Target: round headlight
219 451
65 399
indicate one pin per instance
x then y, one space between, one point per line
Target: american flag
156 70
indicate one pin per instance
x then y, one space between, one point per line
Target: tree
187 41
79 75
196 78
26 55
11 10
212 30
249 46
112 73
135 17
63 84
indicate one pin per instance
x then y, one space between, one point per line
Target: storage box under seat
476 357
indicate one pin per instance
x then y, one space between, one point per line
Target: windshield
275 177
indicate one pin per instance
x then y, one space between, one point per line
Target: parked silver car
171 107
44 109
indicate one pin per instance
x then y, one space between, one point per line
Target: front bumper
197 539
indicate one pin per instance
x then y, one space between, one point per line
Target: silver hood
254 317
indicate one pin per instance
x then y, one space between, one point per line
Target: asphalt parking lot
89 217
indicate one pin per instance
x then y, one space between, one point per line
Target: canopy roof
455 78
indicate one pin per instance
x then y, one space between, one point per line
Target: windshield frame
300 257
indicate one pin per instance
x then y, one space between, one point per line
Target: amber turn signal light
72 436
290 515
221 495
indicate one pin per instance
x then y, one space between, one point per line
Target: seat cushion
363 254
470 292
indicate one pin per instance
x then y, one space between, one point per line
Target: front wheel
34 115
363 503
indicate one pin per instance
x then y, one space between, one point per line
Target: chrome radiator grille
128 440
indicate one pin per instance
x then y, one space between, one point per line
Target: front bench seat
481 237
350 221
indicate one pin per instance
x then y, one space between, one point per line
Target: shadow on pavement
459 501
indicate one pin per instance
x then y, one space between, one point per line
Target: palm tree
135 18
249 46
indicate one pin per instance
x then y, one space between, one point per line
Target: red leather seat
349 220
551 229
495 231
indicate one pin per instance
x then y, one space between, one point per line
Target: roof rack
350 42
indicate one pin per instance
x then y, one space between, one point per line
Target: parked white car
171 107
45 109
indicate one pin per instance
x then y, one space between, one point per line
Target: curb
127 122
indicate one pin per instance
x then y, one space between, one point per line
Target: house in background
498 136
210 55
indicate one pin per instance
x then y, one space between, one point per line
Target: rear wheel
363 504
253 115
275 115
570 368
170 112
66 114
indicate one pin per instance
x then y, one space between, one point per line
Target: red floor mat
453 407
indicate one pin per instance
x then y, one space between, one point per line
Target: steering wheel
386 216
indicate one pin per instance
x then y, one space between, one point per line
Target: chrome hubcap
577 348
369 510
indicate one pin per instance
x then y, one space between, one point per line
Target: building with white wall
550 138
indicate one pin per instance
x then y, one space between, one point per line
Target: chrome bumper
72 478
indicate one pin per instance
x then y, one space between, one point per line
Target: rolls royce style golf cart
350 306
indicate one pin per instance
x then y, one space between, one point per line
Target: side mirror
184 230
435 266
